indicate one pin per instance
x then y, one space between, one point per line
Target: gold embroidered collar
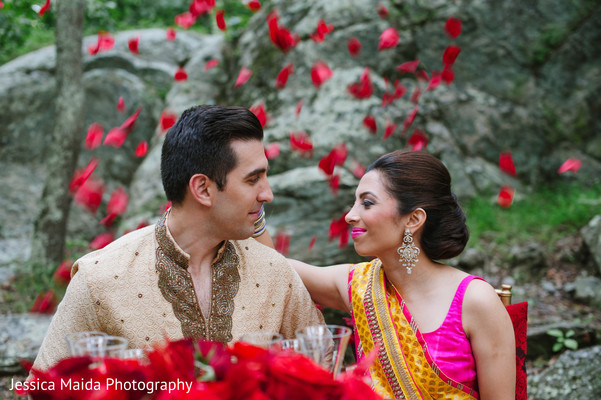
175 283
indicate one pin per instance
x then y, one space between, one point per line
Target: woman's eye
367 203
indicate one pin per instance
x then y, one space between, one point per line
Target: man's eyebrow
257 171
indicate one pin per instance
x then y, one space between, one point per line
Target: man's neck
193 237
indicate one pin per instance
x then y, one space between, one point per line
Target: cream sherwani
138 287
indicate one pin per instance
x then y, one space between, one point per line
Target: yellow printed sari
403 368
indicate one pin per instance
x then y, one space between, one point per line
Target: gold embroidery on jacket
177 288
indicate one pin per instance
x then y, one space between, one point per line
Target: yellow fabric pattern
402 369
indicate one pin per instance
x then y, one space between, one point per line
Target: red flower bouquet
198 369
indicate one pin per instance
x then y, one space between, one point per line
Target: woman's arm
326 285
489 328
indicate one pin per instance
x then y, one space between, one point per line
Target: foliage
563 339
543 216
22 30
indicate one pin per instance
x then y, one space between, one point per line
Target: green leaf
569 333
571 344
557 346
555 332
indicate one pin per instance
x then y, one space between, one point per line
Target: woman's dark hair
419 180
199 143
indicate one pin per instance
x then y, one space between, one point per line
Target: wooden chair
519 318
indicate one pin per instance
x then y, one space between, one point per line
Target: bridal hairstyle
419 180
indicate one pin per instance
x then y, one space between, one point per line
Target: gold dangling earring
408 251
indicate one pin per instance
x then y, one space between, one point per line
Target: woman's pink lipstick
356 232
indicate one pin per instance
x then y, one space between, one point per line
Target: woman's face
377 227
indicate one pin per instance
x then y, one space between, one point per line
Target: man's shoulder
116 253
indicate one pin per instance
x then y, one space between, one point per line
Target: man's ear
417 219
201 189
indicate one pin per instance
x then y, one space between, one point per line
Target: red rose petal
219 18
81 175
272 151
320 73
243 76
312 243
180 75
280 35
388 39
89 195
254 5
299 107
408 67
167 120
185 20
43 10
282 242
571 164
505 198
261 114
506 163
450 55
45 303
418 141
62 275
282 78
370 123
354 46
301 143
94 136
121 104
382 11
390 127
134 44
101 241
211 64
142 149
453 27
170 33
362 89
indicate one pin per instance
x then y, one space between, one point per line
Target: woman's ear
417 219
201 189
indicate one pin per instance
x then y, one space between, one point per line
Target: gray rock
575 375
591 234
587 289
20 338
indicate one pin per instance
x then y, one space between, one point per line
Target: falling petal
106 41
261 114
180 75
118 202
390 127
201 7
299 107
170 34
312 243
321 31
370 123
571 164
142 149
408 67
417 93
505 198
134 44
44 8
185 20
320 72
453 27
450 55
121 104
272 151
282 78
388 39
164 207
130 122
339 228
282 242
448 76
243 76
418 141
89 195
435 80
382 11
94 136
45 303
422 75
354 46
336 157
301 143
102 240
211 64
357 168
506 163
82 175
167 120
280 35
362 89
219 18
115 137
254 5
334 183
409 120
62 275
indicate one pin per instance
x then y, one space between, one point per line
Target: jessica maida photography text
109 384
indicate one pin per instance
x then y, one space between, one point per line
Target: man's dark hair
199 143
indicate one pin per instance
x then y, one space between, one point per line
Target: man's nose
266 195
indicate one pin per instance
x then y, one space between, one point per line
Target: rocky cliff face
527 80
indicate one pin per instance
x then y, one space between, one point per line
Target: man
196 272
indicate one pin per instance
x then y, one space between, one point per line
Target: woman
439 333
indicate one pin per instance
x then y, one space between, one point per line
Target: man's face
237 207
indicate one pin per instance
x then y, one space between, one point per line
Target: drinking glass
268 340
325 344
71 338
101 346
292 345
